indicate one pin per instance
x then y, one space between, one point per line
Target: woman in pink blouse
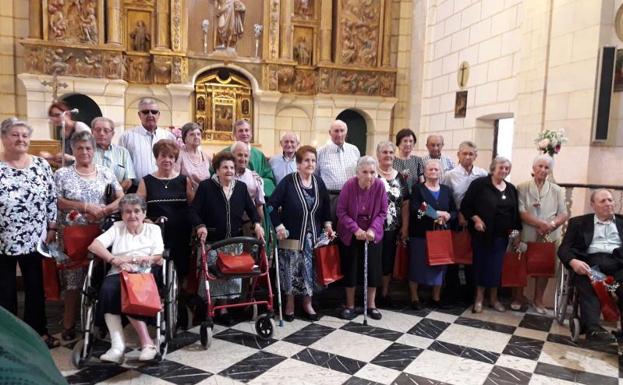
193 161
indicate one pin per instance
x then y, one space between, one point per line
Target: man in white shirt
434 145
111 155
594 240
140 140
285 163
337 162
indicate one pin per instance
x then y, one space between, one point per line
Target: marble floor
450 346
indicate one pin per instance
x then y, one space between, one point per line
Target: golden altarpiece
215 61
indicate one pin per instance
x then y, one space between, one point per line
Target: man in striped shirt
434 144
111 155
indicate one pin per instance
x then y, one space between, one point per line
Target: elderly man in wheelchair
593 241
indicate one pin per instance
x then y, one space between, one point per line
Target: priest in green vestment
257 160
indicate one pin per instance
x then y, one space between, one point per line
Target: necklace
386 174
190 157
90 173
168 180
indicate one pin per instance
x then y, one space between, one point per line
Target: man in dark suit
594 240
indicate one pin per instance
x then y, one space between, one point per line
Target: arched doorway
357 129
87 108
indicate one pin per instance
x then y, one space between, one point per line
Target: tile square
581 360
422 313
443 317
360 381
451 369
490 315
536 322
446 348
486 325
283 348
330 361
572 375
465 352
175 372
504 376
372 331
96 373
280 332
417 341
582 343
292 371
309 334
252 366
244 338
429 328
393 320
181 340
221 355
524 347
219 380
397 356
377 374
516 363
411 379
455 310
332 322
133 377
538 379
475 338
531 333
352 345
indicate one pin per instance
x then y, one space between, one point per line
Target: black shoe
416 305
374 313
288 317
311 317
600 336
348 314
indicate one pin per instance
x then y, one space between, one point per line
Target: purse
139 294
439 248
327 264
514 270
235 264
541 259
110 195
51 283
462 247
401 262
76 241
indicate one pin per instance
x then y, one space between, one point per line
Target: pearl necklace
90 173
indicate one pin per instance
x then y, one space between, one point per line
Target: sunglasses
153 112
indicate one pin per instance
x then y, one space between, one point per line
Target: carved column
113 17
162 24
326 30
270 43
387 31
286 30
34 22
177 23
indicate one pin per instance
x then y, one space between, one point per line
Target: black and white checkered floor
406 347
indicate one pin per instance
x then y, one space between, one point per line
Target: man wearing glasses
111 155
140 140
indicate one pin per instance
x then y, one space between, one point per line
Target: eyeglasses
153 112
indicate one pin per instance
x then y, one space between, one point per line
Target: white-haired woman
491 206
361 211
396 227
543 210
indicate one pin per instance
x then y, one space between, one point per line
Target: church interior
494 72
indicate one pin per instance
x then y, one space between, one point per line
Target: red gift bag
462 246
235 264
439 248
609 308
401 262
139 294
541 259
327 264
51 283
76 241
514 270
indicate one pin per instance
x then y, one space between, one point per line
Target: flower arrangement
550 141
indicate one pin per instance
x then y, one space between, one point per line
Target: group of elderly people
372 203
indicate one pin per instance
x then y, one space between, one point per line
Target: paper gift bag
76 241
609 308
514 270
327 264
51 283
401 262
439 249
541 259
235 264
462 247
139 294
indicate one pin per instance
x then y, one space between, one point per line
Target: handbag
110 195
514 270
51 283
235 264
76 241
462 246
139 294
401 262
439 249
327 264
541 259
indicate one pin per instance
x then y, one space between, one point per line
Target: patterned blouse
27 204
413 167
397 192
71 186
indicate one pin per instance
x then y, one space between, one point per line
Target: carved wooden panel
358 32
73 22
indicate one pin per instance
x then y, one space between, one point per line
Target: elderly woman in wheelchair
136 247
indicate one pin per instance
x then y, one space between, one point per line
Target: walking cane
278 285
365 283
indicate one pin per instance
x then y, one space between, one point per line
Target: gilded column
113 18
177 20
286 29
34 22
271 50
387 31
326 30
162 24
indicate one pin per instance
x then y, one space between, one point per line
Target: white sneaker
113 355
148 353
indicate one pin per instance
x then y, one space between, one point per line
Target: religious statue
57 61
57 22
88 24
304 8
230 22
140 37
301 52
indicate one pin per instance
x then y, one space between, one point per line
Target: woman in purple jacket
361 212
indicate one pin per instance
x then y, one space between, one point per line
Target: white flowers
550 141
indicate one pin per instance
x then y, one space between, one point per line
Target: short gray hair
598 191
383 144
132 200
237 144
296 137
102 119
188 127
8 124
241 122
468 143
545 157
433 160
497 160
82 136
367 160
146 101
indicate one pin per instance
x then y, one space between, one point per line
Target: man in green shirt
257 160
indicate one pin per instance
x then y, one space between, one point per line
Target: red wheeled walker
238 257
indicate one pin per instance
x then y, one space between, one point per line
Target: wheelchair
165 320
566 296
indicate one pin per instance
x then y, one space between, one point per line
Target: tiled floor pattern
406 347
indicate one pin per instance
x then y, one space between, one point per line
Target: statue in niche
140 37
57 62
138 70
304 8
245 107
301 52
230 22
201 104
57 22
88 24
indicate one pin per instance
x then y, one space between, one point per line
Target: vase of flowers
550 141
